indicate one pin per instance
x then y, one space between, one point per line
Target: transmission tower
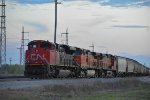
92 46
2 34
66 36
22 47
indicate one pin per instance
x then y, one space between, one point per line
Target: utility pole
22 52
92 46
55 21
10 59
55 30
20 55
3 34
66 36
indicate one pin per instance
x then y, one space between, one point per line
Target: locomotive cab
66 55
40 52
94 59
81 57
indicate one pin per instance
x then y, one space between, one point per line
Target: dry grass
121 89
88 89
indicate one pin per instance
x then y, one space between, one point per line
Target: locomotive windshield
67 49
32 45
47 45
41 44
78 51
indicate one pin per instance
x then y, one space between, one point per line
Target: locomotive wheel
55 73
83 73
77 72
52 72
99 73
114 74
104 73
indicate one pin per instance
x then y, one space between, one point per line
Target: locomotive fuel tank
64 73
91 73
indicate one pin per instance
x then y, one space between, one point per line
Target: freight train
44 59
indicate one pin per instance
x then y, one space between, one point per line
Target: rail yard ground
129 88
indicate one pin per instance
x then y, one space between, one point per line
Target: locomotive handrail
27 59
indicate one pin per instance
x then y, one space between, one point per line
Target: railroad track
23 78
6 77
13 78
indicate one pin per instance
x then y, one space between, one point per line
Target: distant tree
12 69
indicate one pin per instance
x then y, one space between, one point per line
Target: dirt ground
80 89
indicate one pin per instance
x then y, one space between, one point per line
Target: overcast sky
119 27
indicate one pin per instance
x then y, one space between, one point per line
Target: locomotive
44 59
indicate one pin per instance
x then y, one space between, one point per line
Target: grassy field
138 93
121 89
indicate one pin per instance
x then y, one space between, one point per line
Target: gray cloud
129 26
85 26
38 26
